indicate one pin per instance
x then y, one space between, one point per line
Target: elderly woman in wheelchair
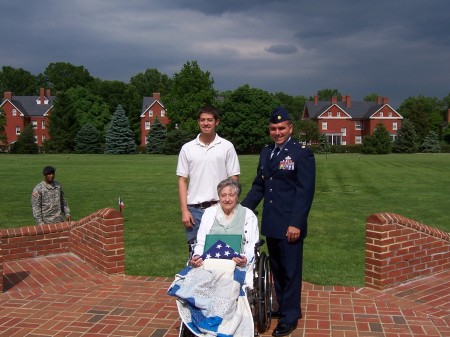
215 292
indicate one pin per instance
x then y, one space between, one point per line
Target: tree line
92 115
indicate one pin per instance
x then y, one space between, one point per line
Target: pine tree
156 137
407 138
379 142
324 145
431 143
87 140
119 137
25 144
63 125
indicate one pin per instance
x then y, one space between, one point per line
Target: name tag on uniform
287 164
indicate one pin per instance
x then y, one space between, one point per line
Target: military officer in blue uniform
285 179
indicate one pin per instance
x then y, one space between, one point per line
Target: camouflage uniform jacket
49 204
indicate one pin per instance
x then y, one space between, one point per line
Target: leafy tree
244 118
89 108
63 125
25 143
87 140
191 89
62 76
447 134
431 143
3 138
407 139
115 93
373 97
324 144
119 137
151 81
17 80
156 137
379 142
424 112
308 131
175 139
326 94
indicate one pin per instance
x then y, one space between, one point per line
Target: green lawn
349 188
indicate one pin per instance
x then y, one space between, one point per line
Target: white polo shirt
206 167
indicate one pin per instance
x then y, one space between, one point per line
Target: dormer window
38 101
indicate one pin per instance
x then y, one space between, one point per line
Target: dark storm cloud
395 48
282 49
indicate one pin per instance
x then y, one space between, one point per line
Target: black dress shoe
283 329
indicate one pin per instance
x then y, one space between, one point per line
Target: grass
349 188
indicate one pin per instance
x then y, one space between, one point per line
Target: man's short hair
48 170
209 109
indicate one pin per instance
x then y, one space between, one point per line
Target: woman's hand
240 261
196 261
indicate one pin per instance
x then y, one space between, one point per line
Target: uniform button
270 178
270 190
270 201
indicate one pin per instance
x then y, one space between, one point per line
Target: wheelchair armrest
260 243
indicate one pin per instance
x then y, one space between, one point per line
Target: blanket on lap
213 302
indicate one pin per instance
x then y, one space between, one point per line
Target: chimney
41 96
156 96
348 101
385 100
316 99
7 95
333 99
379 100
48 93
344 98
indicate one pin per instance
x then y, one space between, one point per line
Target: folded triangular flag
220 250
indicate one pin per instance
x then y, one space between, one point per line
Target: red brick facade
23 110
97 239
152 108
346 122
399 249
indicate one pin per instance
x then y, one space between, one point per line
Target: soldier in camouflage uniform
47 200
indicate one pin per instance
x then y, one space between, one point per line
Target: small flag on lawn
121 204
220 250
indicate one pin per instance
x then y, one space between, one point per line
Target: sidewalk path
62 296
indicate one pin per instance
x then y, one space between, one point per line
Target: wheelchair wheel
185 332
264 294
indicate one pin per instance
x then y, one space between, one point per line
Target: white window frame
358 125
324 125
34 123
381 114
330 114
394 126
163 113
147 125
14 112
344 132
339 114
150 113
358 139
17 130
42 124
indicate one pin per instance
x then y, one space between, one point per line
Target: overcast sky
396 48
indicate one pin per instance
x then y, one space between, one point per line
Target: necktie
275 152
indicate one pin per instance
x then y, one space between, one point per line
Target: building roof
28 106
357 109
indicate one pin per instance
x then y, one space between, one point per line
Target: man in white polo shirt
202 164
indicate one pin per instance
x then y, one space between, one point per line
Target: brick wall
97 239
399 249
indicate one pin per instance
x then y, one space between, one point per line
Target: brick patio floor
63 296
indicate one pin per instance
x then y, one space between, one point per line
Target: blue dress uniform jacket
287 183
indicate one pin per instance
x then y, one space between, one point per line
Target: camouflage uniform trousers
48 203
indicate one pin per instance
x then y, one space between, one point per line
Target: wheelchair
259 297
